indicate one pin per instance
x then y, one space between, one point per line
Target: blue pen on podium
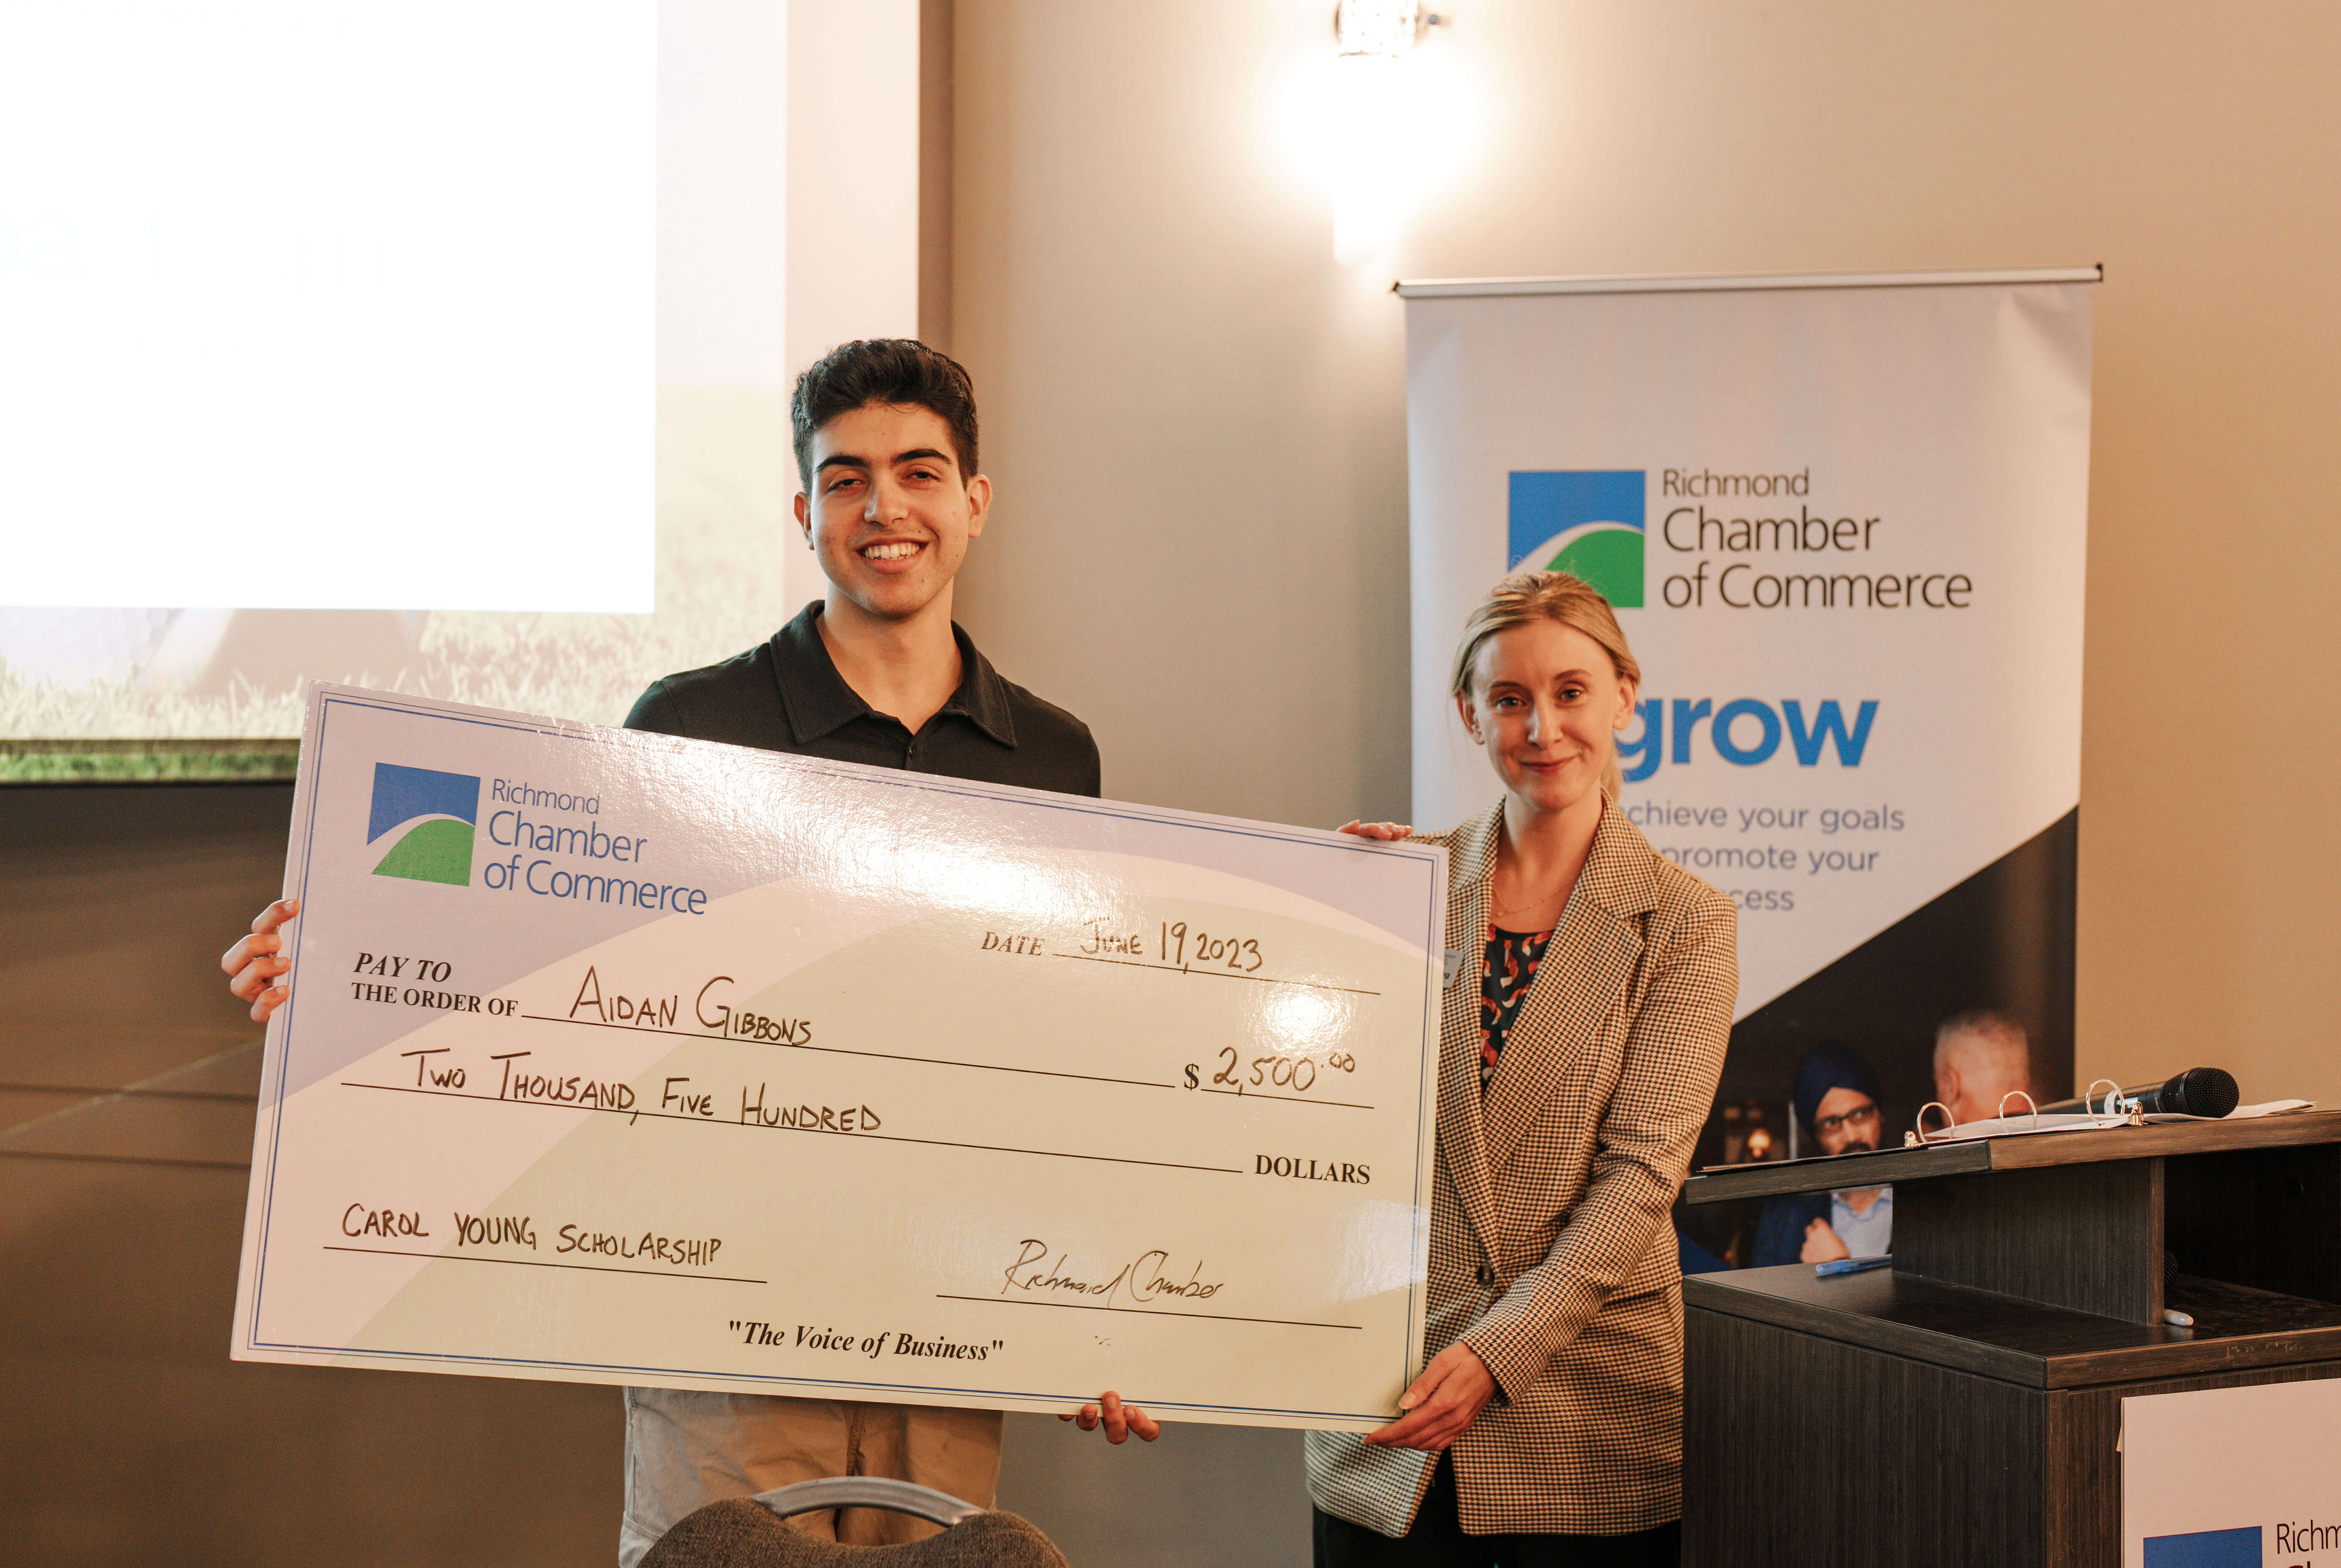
1852 1266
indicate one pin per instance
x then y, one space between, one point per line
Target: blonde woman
1579 1056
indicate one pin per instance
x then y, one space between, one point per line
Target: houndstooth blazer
1550 1254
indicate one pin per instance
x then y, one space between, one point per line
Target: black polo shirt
786 695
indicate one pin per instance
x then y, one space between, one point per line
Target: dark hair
884 370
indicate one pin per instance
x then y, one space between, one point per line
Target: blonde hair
1528 596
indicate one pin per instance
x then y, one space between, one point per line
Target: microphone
2196 1092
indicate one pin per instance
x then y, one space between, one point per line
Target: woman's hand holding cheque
1443 1404
1439 1406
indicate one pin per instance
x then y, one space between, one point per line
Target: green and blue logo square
432 815
1588 521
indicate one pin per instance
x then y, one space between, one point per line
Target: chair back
868 1492
749 1531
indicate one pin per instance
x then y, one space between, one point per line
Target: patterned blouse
1512 960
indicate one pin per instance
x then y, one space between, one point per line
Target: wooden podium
1965 1406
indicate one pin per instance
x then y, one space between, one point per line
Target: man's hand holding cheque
257 963
1119 1422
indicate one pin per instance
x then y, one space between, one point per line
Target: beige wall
1196 418
128 1083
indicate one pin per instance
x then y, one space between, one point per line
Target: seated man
1837 1101
1981 1056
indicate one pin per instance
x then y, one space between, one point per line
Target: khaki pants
686 1449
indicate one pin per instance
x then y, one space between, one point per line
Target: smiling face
890 514
1546 705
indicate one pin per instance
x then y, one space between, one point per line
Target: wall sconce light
1376 122
1384 27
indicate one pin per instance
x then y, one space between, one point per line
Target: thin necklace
1516 908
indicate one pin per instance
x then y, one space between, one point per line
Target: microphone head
2201 1092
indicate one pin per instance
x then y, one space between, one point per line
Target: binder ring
2028 1105
2113 1099
1918 1128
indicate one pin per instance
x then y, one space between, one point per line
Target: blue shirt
1867 1235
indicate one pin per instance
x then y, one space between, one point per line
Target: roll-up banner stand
1842 519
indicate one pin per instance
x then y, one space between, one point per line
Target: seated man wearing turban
1836 1100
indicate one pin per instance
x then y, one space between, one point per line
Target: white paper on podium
2016 1127
614 1058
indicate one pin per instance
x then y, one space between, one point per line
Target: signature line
539 1263
1152 1311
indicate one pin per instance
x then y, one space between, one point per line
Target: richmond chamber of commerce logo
429 816
1588 521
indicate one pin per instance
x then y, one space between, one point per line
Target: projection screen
442 347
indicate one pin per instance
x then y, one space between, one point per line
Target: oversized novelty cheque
615 1057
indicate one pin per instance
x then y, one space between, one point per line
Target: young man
876 671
